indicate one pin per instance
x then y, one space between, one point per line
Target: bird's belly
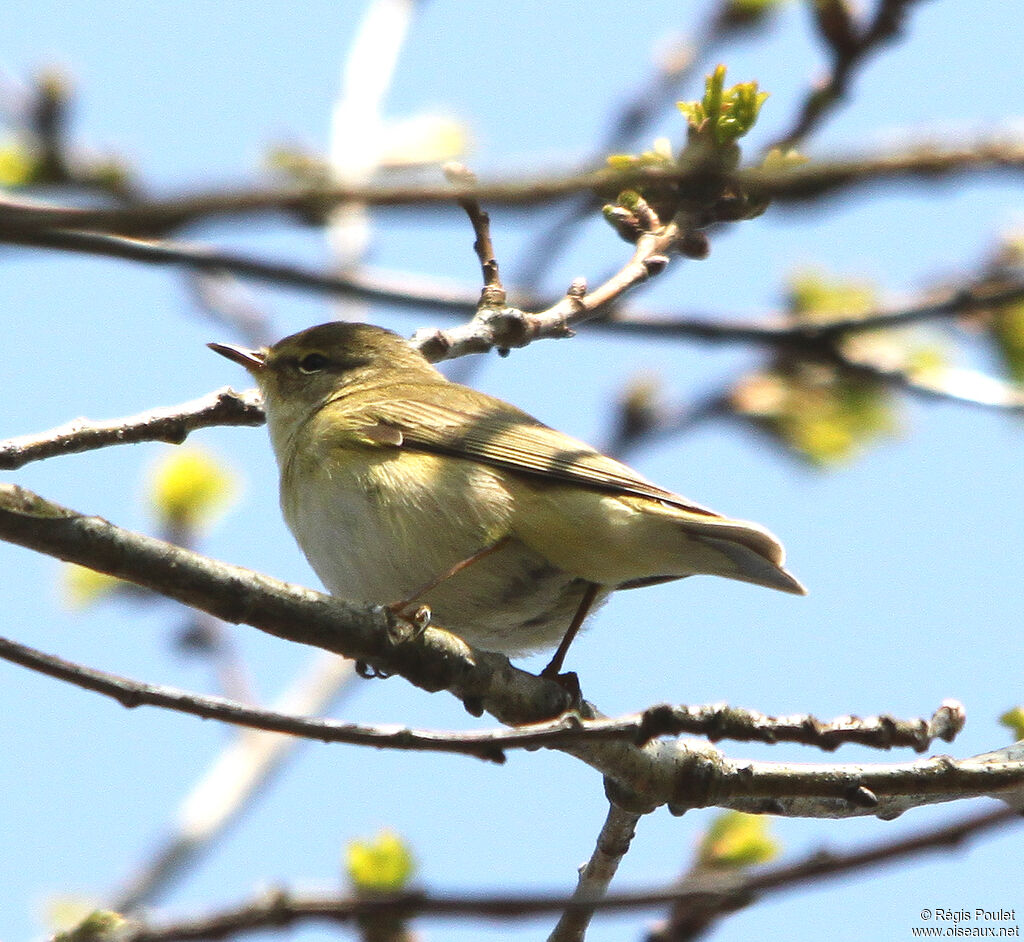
513 601
378 531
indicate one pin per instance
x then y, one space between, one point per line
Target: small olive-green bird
402 486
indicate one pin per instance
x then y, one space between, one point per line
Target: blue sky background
913 554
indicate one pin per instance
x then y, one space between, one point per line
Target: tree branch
696 910
708 892
416 292
131 694
849 47
172 425
502 328
681 774
796 184
716 721
596 874
967 387
779 329
493 294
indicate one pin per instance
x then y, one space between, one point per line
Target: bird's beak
253 360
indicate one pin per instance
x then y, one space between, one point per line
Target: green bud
1008 333
735 840
383 865
99 925
84 587
18 164
724 114
1014 720
189 488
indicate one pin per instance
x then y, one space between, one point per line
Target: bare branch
716 721
708 892
417 292
503 328
406 292
493 294
782 329
681 774
849 47
597 873
964 386
697 910
172 425
795 184
133 694
719 721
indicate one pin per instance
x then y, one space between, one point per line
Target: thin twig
596 874
696 911
504 328
493 294
673 68
132 694
402 290
278 909
794 184
172 425
849 47
717 721
419 293
963 386
782 329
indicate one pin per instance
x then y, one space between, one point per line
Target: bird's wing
483 429
492 432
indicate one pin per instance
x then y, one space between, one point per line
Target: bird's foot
409 616
569 681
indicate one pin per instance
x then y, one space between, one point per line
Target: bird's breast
378 526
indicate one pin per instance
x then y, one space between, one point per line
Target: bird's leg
399 608
555 667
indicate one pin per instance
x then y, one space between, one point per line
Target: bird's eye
312 363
